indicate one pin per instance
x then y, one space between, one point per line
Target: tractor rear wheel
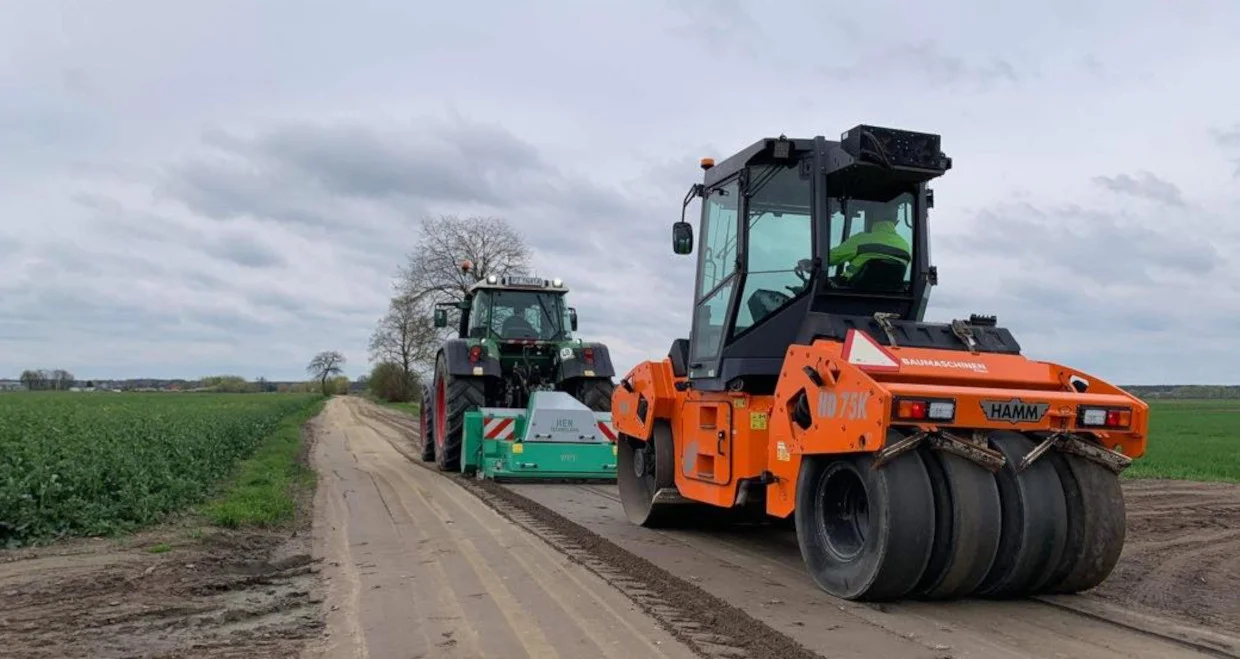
453 397
595 394
644 468
1096 524
968 517
865 534
427 428
1035 524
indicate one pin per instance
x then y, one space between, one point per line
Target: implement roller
915 459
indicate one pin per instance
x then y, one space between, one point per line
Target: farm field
96 464
1192 440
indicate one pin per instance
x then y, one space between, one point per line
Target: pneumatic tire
453 397
864 533
596 394
968 517
1035 521
1096 524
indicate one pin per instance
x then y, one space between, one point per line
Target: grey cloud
245 253
1146 186
926 62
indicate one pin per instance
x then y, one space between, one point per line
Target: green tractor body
515 338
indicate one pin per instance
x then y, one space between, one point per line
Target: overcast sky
190 188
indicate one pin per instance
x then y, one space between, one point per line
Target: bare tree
490 244
405 336
325 365
433 274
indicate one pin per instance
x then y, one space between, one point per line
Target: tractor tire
1035 521
595 394
644 468
426 429
453 397
1096 524
968 517
865 534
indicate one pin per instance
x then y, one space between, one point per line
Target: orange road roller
916 459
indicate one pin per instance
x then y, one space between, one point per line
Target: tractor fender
575 367
456 354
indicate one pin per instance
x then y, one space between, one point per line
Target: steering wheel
802 271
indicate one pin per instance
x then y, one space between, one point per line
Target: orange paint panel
704 441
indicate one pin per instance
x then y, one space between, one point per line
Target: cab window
871 244
780 236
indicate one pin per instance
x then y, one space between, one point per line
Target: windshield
780 236
871 243
518 315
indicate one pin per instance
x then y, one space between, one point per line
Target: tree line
41 379
405 340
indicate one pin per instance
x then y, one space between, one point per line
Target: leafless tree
432 274
406 336
325 365
433 270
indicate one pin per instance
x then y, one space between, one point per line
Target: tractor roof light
557 282
491 279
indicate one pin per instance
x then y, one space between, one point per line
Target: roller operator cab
514 337
915 459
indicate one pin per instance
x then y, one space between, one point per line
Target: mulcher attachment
555 437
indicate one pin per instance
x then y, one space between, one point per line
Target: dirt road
418 567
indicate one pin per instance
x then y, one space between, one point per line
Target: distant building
12 385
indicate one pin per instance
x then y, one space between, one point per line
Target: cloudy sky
189 188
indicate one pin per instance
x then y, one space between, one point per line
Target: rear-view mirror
441 318
572 319
682 238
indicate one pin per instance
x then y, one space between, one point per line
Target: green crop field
99 463
1192 440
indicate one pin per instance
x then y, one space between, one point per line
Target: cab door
716 278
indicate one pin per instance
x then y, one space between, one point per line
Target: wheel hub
639 463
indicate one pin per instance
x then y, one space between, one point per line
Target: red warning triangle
865 353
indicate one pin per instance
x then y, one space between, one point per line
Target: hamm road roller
916 459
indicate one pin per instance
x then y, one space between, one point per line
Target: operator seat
517 327
879 275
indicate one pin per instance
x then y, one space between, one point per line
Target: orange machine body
723 438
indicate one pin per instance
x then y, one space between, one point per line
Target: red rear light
475 353
912 409
588 355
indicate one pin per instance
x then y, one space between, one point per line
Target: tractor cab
798 233
514 309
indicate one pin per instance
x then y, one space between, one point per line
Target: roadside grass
407 408
264 491
1192 440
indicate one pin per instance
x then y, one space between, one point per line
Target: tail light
925 409
475 354
1103 417
587 355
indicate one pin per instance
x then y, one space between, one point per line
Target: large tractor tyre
427 429
1035 521
454 396
864 533
968 517
644 468
1096 524
595 394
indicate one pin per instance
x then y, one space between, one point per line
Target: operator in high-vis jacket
878 242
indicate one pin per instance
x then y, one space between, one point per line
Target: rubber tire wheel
426 434
968 517
897 533
463 395
636 495
1096 524
1035 521
596 394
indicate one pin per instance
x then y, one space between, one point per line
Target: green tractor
514 339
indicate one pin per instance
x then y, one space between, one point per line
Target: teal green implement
555 437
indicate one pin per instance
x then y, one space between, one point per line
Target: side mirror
682 237
572 319
441 318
